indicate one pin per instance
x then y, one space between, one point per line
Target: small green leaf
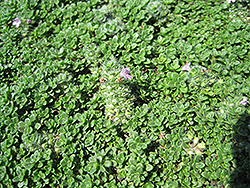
184 89
2 172
149 167
107 164
200 165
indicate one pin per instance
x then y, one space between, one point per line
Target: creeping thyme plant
123 93
117 96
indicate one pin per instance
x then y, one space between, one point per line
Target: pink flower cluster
17 22
244 101
125 73
186 67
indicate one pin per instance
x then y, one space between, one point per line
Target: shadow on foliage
241 153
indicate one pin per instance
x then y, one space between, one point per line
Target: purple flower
244 101
186 67
125 73
16 22
28 21
229 1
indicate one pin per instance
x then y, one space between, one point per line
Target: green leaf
149 167
107 164
199 165
2 172
148 185
174 184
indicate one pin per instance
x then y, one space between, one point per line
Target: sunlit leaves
69 118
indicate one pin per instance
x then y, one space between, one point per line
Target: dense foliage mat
124 93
